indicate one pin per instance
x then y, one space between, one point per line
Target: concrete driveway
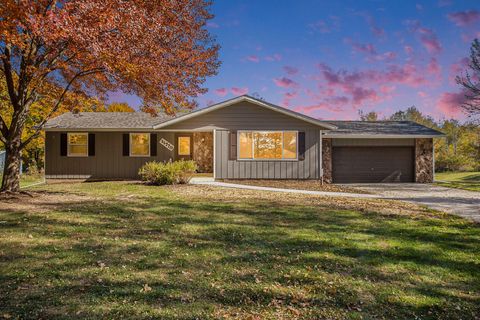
456 201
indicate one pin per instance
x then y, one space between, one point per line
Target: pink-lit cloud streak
464 18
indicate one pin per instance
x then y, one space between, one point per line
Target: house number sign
166 144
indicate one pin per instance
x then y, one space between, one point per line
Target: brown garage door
372 164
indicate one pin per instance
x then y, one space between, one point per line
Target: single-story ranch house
241 138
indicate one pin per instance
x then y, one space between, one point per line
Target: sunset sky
329 59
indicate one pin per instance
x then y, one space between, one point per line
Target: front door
183 146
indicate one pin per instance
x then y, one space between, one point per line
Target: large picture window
140 144
77 144
267 145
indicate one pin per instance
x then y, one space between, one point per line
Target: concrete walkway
455 201
211 182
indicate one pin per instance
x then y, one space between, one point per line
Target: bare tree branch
471 82
60 99
7 69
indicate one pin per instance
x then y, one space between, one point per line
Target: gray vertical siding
108 162
253 169
249 116
241 116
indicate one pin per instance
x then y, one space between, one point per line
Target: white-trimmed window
267 145
77 144
139 144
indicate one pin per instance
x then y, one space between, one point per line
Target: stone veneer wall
203 151
327 160
424 160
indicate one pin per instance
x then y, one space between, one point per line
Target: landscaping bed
314 185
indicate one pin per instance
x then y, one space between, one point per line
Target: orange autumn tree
119 107
158 50
33 153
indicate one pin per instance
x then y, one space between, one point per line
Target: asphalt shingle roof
381 128
106 120
140 120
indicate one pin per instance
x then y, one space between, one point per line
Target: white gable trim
227 103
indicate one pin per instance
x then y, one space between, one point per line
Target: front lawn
27 180
462 180
124 250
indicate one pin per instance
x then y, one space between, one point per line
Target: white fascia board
240 99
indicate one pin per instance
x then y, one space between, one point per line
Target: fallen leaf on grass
146 288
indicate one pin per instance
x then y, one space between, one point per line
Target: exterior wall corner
424 160
327 160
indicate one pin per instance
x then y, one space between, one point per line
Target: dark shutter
63 144
153 144
301 146
91 144
233 145
126 144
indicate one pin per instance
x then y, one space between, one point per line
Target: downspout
214 153
433 159
321 156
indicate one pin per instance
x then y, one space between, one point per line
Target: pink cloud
464 18
371 52
458 68
337 101
376 30
360 95
310 109
408 50
422 94
427 37
433 68
387 90
431 44
320 26
470 35
365 48
239 91
444 3
274 57
285 82
290 70
388 56
323 26
450 103
213 25
291 95
339 89
221 92
253 58
406 74
287 97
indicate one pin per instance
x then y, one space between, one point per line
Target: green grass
121 250
28 179
462 180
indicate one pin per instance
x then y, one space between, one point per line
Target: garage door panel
372 164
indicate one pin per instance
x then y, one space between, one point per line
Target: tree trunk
11 171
